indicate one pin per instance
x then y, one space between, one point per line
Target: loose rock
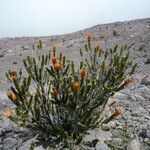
134 145
147 61
101 146
146 80
9 143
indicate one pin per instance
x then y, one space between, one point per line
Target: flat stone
98 134
147 61
134 145
26 145
138 97
118 141
143 126
9 143
139 112
127 116
148 133
25 48
146 140
101 146
146 80
119 95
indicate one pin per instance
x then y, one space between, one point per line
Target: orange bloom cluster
54 60
128 81
83 73
54 48
89 37
57 66
97 48
13 75
55 93
76 86
12 96
8 113
36 95
118 112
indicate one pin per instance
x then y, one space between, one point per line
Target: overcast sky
51 17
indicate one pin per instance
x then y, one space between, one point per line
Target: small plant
61 102
115 33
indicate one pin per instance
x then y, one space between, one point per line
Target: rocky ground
132 131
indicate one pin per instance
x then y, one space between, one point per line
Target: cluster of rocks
136 104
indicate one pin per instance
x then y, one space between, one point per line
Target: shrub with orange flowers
62 102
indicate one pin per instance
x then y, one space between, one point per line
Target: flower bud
57 66
89 37
36 95
55 93
14 78
8 113
13 73
128 81
54 48
118 112
76 86
54 60
12 96
97 48
83 73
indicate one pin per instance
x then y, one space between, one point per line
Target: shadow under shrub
60 102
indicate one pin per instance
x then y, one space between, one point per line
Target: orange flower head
54 60
13 73
118 112
76 86
36 95
10 95
54 48
55 93
128 81
97 48
83 73
57 66
8 113
14 78
15 98
89 37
